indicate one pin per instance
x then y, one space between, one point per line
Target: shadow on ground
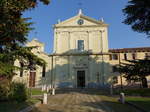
9 106
92 91
90 100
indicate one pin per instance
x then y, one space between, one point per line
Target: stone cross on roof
80 12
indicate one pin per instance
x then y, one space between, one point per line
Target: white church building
80 58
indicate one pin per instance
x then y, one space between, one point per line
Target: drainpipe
52 73
103 78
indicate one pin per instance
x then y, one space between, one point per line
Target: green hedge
135 92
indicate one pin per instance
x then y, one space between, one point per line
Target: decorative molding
83 26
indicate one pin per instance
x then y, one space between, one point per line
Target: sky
119 36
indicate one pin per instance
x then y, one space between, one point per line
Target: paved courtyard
73 101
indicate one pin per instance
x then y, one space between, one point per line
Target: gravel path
75 101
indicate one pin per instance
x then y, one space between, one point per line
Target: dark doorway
80 79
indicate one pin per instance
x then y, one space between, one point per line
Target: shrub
136 92
3 93
4 90
18 92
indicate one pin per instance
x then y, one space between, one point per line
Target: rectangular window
147 55
113 57
110 57
98 77
134 56
80 45
125 57
43 71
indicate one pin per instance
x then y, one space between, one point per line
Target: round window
80 21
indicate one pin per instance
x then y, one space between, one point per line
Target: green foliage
14 30
6 70
12 91
135 92
136 70
4 89
18 92
12 106
35 91
143 102
137 14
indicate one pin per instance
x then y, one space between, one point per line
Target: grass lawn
135 92
112 103
143 102
15 107
35 91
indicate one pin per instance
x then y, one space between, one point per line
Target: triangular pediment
34 42
74 21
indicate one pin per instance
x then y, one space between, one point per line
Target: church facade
80 58
80 52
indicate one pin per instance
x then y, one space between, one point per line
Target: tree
137 14
136 70
14 30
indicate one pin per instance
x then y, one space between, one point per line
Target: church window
147 55
43 71
80 21
21 69
113 57
98 77
80 45
110 57
125 57
134 56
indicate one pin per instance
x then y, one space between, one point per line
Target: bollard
45 98
122 98
53 91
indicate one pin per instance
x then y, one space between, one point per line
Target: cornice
88 26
